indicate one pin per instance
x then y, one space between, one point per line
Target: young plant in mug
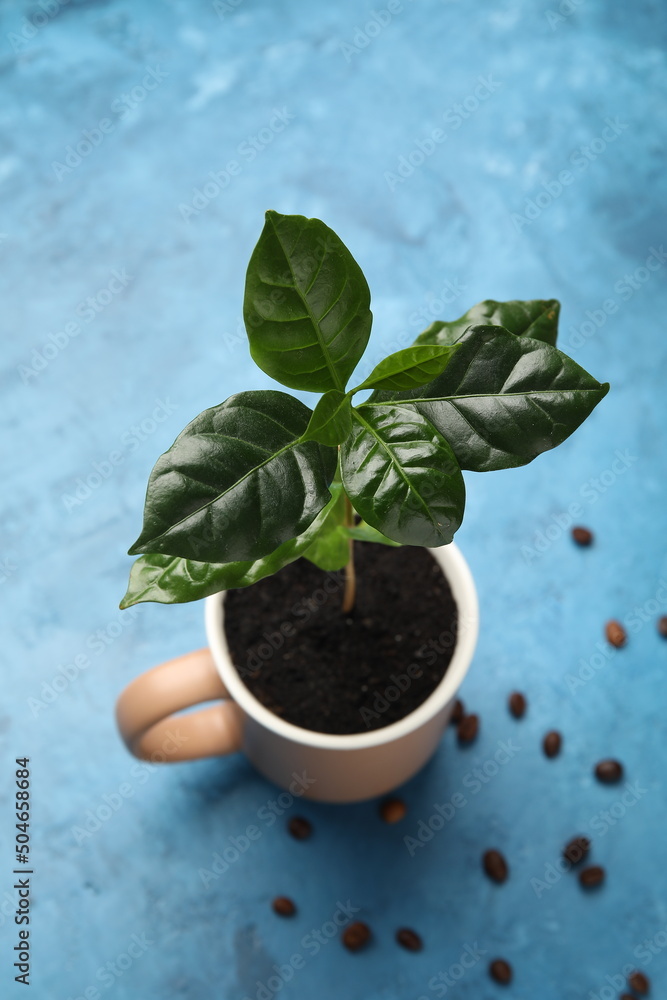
260 480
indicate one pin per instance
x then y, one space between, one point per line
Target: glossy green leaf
504 399
331 421
172 580
363 532
237 482
402 476
536 318
330 551
409 368
330 548
306 306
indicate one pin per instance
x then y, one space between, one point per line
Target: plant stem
350 591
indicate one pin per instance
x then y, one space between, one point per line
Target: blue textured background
172 335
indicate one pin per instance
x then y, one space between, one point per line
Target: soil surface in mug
333 673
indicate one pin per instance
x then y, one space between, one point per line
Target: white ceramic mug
338 768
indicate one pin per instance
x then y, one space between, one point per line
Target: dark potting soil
333 673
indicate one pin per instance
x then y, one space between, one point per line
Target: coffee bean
582 536
468 728
392 810
626 996
501 971
300 828
356 936
616 634
576 850
552 743
283 906
457 712
409 940
495 865
517 704
662 626
609 771
592 877
638 982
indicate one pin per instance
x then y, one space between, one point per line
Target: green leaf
409 368
503 399
331 421
537 319
330 551
306 305
330 548
172 580
363 532
237 482
402 476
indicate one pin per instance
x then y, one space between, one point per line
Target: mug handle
145 712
